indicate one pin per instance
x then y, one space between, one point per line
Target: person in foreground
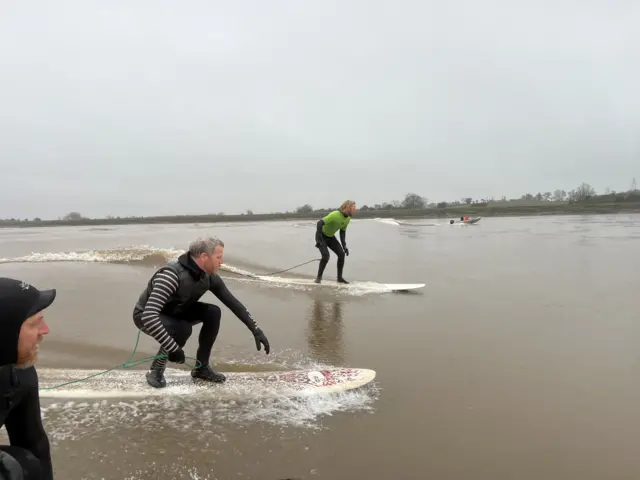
338 220
22 327
169 307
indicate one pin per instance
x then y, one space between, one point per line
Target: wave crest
137 255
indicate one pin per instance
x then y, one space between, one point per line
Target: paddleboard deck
373 287
240 385
388 286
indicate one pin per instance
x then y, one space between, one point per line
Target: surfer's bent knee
182 331
214 311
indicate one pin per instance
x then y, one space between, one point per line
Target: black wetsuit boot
205 372
155 377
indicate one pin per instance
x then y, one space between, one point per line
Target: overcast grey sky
144 107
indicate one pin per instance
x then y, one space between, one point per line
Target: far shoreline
493 209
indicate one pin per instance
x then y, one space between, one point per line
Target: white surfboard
394 287
403 287
357 286
239 385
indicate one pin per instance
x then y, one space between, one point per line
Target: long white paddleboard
356 286
239 385
394 287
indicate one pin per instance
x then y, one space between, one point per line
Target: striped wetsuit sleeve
163 285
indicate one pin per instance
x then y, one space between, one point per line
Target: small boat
468 221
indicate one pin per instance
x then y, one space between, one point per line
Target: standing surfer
169 307
338 220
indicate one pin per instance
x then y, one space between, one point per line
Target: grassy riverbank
603 204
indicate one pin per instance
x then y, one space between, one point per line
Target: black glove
261 339
177 356
10 469
320 243
346 250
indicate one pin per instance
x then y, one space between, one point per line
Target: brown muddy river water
519 360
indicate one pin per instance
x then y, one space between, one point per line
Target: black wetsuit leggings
180 328
333 244
19 458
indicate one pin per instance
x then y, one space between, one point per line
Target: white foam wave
388 221
136 253
132 254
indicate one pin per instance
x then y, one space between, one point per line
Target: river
518 360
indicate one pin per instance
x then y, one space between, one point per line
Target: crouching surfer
169 307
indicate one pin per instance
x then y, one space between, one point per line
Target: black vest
193 284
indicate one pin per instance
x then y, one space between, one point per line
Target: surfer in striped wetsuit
169 307
22 328
338 220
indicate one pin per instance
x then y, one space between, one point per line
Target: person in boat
22 328
169 307
327 227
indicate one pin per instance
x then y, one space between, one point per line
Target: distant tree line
412 202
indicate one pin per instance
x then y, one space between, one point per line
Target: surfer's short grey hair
204 245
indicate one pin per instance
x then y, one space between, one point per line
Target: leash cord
128 364
280 271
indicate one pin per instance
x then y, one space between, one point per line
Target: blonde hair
346 205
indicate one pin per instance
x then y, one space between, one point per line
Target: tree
582 192
306 208
559 195
414 201
71 216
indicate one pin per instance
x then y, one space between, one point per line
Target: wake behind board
239 385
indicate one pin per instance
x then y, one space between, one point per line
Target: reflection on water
325 332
